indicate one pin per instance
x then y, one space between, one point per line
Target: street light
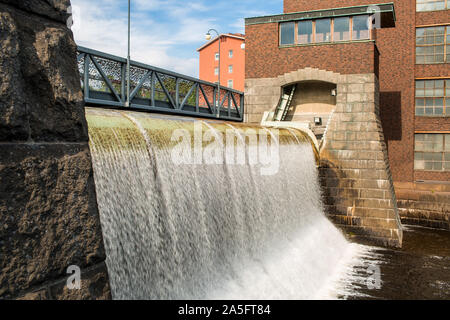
208 37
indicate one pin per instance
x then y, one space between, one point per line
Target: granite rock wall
48 210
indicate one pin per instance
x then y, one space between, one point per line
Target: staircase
284 105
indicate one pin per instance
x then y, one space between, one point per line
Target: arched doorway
312 102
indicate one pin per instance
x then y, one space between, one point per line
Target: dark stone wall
48 211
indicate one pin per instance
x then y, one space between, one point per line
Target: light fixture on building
334 92
243 46
317 121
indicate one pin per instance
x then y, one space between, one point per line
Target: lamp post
127 103
208 37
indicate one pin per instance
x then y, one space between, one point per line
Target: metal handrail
103 78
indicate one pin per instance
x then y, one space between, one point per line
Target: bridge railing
104 83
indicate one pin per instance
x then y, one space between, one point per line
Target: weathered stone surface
355 173
40 94
52 9
36 295
13 109
430 208
48 214
94 286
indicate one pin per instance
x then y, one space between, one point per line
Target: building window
305 31
432 152
216 56
361 27
433 98
230 54
230 84
432 5
341 31
325 30
287 30
230 68
432 44
216 71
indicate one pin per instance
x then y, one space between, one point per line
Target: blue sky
165 33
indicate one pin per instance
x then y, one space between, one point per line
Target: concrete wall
354 167
48 211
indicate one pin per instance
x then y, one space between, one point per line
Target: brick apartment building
232 63
402 55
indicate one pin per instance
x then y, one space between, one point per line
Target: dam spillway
178 225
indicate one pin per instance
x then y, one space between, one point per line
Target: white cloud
103 26
165 33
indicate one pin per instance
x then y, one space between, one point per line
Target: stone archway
354 166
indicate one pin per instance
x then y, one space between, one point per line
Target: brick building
329 51
232 63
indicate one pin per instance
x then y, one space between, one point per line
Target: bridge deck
104 82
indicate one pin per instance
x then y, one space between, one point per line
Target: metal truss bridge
104 83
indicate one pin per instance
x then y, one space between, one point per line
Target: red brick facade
397 72
263 41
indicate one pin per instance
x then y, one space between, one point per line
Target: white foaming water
211 231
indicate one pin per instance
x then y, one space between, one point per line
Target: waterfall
210 230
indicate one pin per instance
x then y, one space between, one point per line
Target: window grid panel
431 45
360 29
433 98
341 29
287 33
432 152
325 30
431 5
305 32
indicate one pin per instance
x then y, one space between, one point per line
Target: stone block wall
424 204
48 211
354 167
